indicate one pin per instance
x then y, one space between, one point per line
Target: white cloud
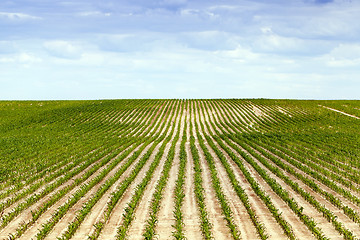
94 14
240 54
28 58
258 48
18 16
271 42
343 63
344 55
224 7
202 14
7 60
346 51
22 58
62 49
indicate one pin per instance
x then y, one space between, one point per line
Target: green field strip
140 188
198 182
226 210
340 173
63 209
49 203
353 215
152 220
329 215
179 194
124 184
45 144
11 201
274 185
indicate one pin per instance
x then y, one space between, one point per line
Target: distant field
176 169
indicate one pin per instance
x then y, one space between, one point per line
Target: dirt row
214 113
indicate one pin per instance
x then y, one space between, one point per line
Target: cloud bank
179 49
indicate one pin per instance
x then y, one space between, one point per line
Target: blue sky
87 49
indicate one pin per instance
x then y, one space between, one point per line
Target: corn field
180 169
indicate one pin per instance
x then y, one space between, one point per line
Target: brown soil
31 232
165 215
309 210
220 229
341 216
142 211
344 200
300 230
241 218
272 228
115 220
26 216
191 215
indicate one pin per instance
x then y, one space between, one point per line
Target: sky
114 49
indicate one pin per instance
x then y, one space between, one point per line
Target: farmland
180 169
